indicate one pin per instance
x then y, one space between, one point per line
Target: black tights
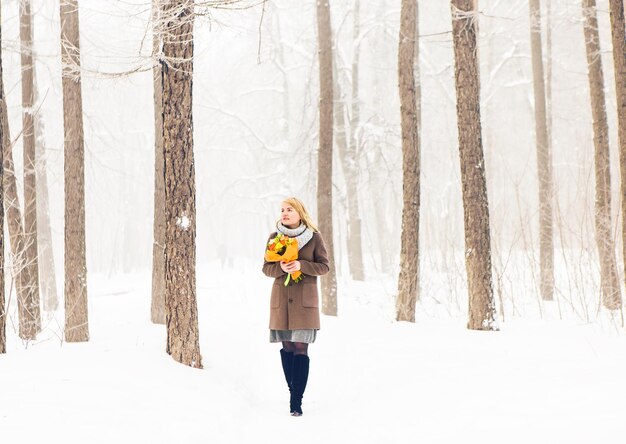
297 348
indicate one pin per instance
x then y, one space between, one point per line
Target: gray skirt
306 336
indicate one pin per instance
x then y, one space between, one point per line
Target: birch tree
325 156
76 313
177 17
409 249
611 291
482 309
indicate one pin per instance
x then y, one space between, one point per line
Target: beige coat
296 306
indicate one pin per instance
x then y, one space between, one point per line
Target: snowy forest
465 161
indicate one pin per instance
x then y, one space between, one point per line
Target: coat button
290 300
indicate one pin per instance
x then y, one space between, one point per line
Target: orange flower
288 253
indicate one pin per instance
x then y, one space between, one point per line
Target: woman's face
289 216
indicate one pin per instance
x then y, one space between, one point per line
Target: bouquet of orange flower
283 248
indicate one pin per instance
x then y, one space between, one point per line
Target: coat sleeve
319 265
272 269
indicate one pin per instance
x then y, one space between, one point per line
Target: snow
372 380
184 222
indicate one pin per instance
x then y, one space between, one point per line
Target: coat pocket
275 300
309 296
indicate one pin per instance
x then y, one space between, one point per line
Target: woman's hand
290 267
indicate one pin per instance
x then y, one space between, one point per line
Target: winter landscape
546 364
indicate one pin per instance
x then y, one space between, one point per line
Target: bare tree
177 18
157 311
482 310
30 178
3 124
28 314
611 291
47 273
409 249
325 158
28 309
549 113
347 142
350 161
618 33
544 158
76 314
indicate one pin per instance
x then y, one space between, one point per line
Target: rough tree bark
28 312
76 310
544 158
409 248
180 188
618 33
610 284
157 309
3 124
325 158
30 178
28 321
482 311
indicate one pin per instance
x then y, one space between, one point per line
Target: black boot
298 383
287 359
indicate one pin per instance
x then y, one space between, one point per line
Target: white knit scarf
302 234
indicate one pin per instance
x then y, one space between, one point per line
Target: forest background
255 114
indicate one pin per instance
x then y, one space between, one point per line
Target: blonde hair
305 217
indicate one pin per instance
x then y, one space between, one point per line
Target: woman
294 308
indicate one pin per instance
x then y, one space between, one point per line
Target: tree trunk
350 161
325 158
611 291
418 82
28 309
30 178
76 313
347 157
379 177
180 188
618 33
549 74
157 310
279 63
409 248
544 159
4 123
47 272
28 321
482 310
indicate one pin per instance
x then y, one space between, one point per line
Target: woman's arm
319 265
272 269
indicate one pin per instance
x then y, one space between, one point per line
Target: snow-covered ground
372 380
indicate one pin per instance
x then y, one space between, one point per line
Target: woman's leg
286 358
300 348
289 347
300 376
